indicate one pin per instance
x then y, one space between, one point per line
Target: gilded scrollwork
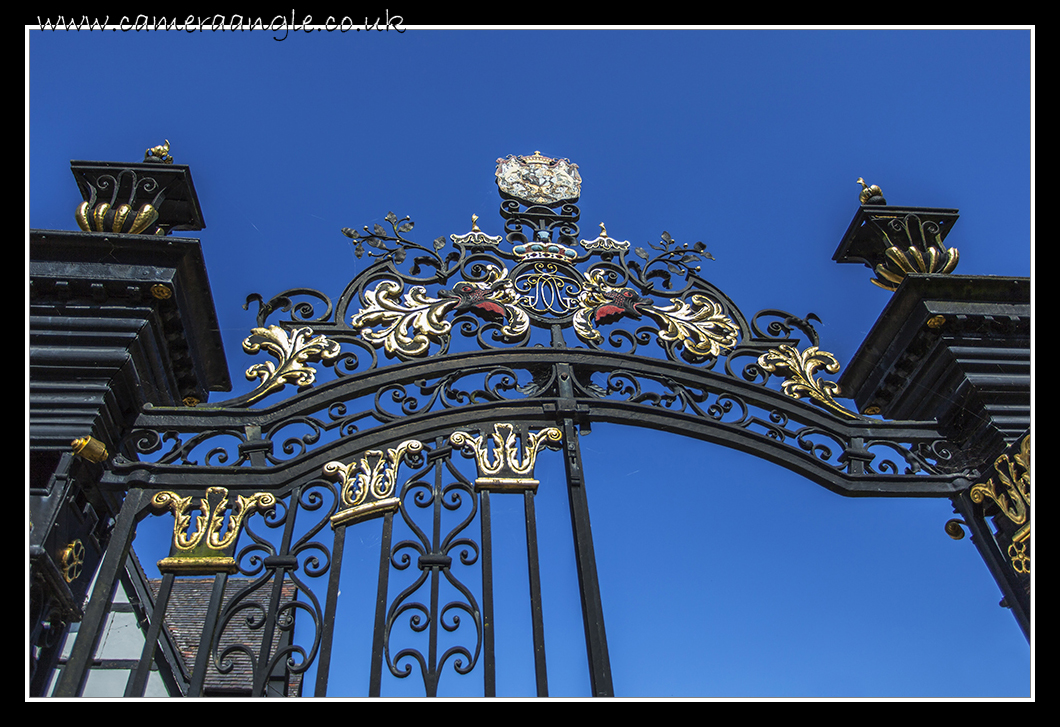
1012 495
547 288
206 550
71 560
368 483
799 368
410 323
595 305
698 323
293 351
506 468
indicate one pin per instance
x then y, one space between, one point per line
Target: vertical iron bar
262 673
432 675
536 614
137 682
592 605
375 679
324 664
489 678
72 680
202 655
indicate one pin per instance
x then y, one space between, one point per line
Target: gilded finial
870 194
159 154
603 230
474 224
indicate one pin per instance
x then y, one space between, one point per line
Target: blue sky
722 575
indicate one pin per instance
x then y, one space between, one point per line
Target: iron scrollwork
412 322
554 330
532 300
431 550
276 588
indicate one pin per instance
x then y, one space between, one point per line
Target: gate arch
452 365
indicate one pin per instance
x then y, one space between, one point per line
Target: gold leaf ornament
292 351
373 475
502 467
699 324
406 324
368 484
205 550
409 323
1012 495
900 263
799 368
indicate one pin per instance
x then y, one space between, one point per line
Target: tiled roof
188 603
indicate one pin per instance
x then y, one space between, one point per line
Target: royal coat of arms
537 179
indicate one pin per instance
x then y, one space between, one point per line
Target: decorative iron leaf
374 242
673 268
350 233
666 236
439 242
390 217
406 227
641 254
379 230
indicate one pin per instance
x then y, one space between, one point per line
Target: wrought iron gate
453 366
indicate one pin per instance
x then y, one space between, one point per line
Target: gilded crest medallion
538 179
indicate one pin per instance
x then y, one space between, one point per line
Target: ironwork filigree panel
371 405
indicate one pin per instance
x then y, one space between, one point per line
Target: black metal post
536 613
376 677
592 605
324 665
489 666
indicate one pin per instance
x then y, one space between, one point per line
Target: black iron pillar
120 316
956 349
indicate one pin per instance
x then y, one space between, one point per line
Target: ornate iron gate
455 365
